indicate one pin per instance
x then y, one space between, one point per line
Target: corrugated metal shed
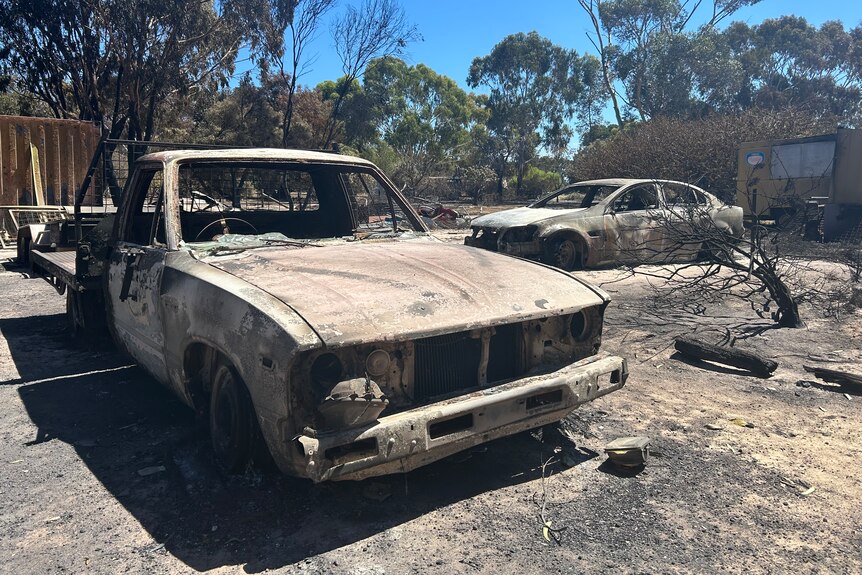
65 149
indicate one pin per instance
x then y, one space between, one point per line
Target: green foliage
383 155
652 49
16 103
538 182
535 88
377 29
597 133
423 116
352 125
475 181
786 62
668 63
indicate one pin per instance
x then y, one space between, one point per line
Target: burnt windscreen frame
250 185
376 204
576 196
145 225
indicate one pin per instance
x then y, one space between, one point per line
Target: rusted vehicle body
297 298
598 222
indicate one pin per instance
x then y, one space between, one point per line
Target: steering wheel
224 221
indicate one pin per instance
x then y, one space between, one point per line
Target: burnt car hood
365 292
521 217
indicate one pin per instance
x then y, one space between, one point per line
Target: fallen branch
842 378
746 360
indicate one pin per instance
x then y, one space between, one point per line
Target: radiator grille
450 363
445 364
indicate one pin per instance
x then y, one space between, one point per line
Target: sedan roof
623 182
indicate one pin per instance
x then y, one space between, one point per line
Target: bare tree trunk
787 314
591 8
288 113
377 28
333 121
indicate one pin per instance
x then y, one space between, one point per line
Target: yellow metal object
628 451
38 194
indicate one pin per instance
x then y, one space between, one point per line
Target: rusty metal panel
848 167
758 189
64 147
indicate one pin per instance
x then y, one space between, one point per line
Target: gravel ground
101 471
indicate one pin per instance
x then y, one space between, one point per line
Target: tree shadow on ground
152 455
43 347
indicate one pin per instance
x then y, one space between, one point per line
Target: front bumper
410 439
523 249
497 243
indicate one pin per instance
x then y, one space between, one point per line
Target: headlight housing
338 391
580 326
377 363
520 234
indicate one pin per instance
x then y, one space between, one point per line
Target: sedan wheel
564 255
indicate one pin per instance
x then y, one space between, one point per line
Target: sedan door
633 225
689 221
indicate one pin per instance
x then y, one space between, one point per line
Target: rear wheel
233 428
85 312
23 251
707 253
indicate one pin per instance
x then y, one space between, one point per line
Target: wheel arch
198 361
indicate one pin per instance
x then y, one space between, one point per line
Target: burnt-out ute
298 300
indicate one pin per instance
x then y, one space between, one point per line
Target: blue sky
456 31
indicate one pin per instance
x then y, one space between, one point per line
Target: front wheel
233 428
564 254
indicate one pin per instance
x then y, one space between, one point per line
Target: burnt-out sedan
599 222
297 299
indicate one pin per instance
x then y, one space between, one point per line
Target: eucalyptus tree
788 62
650 50
284 54
377 28
116 61
535 90
423 116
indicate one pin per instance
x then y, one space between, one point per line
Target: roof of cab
253 154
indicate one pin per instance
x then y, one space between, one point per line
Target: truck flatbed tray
56 266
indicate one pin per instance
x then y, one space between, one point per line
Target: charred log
746 360
844 379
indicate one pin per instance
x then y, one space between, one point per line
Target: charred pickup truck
297 299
